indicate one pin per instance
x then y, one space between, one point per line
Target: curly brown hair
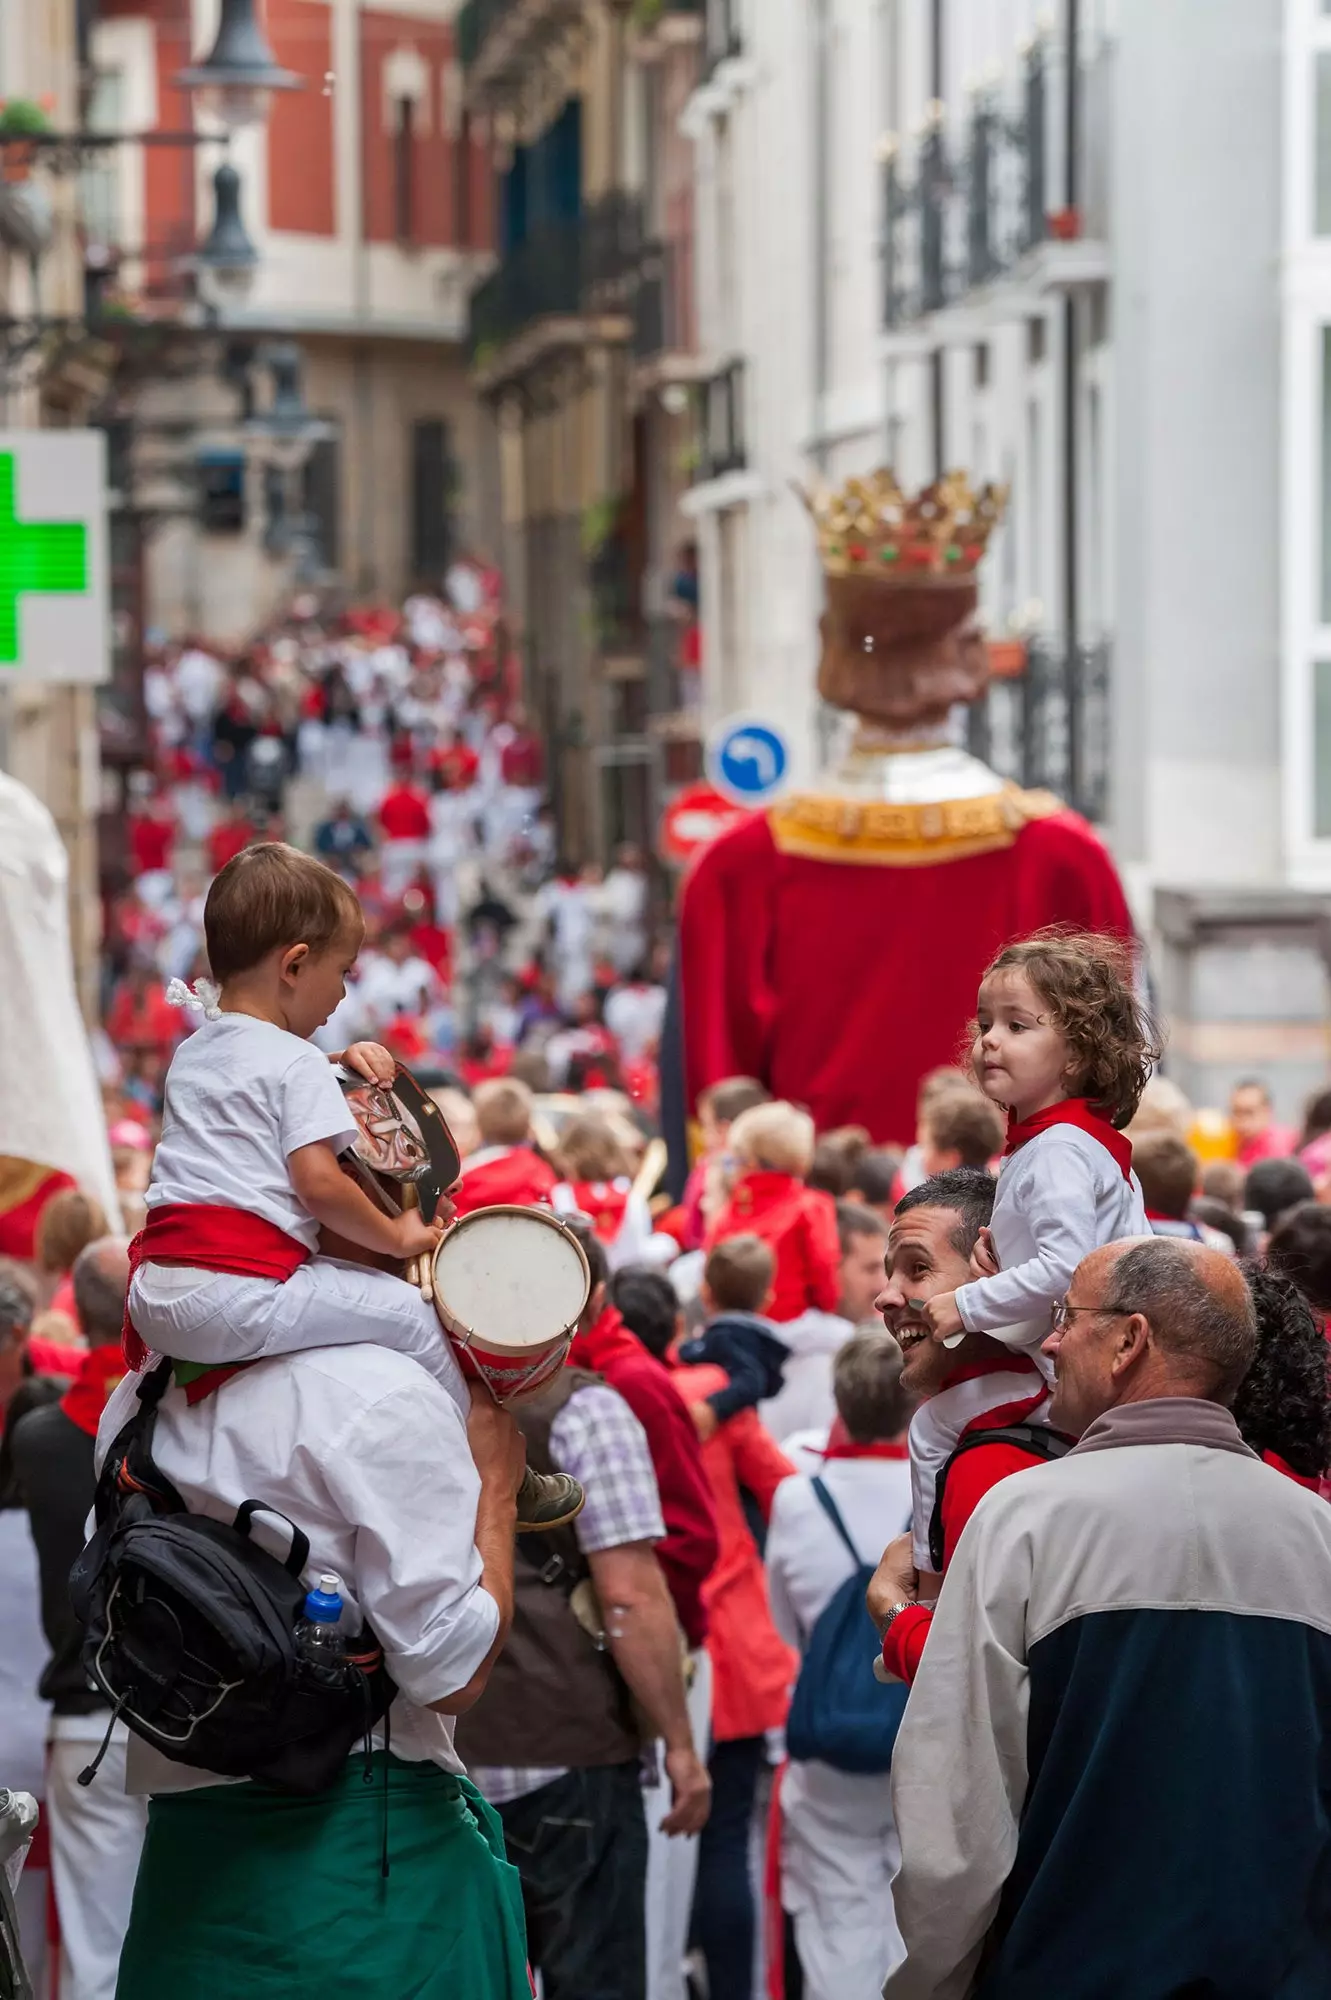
1085 979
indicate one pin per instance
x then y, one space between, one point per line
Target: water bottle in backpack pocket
840 1715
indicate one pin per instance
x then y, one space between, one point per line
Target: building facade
1023 241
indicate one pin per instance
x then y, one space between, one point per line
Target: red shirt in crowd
404 814
521 762
144 1020
799 1226
151 841
458 766
504 1176
689 1552
228 839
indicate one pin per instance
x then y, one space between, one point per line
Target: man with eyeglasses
1111 1777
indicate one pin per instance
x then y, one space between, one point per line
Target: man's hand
895 1581
497 1445
943 1317
984 1258
690 1792
370 1060
705 1420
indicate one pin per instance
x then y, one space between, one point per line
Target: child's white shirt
1059 1197
938 1425
242 1096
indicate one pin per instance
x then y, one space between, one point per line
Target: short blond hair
777 1136
503 1109
590 1150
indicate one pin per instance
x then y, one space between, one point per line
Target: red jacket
799 1226
689 1552
504 1175
404 815
753 1669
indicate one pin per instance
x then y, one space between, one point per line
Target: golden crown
870 527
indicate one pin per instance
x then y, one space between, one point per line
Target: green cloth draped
247 1891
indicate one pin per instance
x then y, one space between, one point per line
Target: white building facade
1045 245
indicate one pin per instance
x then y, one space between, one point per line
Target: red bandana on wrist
89 1392
1072 1111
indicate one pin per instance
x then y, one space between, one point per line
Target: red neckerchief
1273 1459
605 1203
847 1448
1014 1363
1076 1111
212 1238
87 1395
598 1347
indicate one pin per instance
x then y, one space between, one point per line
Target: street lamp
236 80
226 258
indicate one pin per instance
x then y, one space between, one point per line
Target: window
1324 594
434 487
1322 750
404 171
321 499
462 164
222 492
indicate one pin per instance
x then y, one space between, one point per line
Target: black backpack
1037 1439
189 1631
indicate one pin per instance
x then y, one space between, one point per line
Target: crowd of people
661 1745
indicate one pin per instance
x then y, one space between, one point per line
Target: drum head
514 1277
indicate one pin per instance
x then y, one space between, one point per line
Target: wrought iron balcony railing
663 319
1050 726
587 265
972 210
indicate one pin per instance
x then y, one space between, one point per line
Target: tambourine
403 1155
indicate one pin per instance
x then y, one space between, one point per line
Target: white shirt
386 988
241 1095
805 1400
634 1016
1060 1196
361 1449
807 1562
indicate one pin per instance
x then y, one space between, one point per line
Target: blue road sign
748 760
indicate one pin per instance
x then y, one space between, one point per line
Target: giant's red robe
840 982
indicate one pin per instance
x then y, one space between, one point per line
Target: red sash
87 1395
841 1445
1072 1111
212 1238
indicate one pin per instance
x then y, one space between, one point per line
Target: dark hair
270 897
1219 1215
832 1171
593 1248
732 1095
966 1123
968 1191
854 1220
739 1272
1316 1118
1253 1083
16 1306
648 1306
866 1383
1166 1166
1273 1186
1283 1403
1300 1250
876 1175
1164 1281
1085 978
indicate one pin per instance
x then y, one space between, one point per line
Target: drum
510 1285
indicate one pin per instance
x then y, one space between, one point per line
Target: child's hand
370 1060
705 1420
984 1257
943 1317
413 1236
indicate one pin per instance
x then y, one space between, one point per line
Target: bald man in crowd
96 1831
1111 1777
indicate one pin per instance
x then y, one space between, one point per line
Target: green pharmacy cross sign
55 600
34 555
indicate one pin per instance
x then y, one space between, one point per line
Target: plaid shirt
597 1439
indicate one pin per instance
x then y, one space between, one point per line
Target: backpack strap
829 1507
1037 1440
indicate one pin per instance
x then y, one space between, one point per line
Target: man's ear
1130 1343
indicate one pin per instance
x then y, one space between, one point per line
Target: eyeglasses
1063 1312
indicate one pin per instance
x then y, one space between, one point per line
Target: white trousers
672 1865
326 1303
839 1853
96 1834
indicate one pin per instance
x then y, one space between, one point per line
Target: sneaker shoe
547 1500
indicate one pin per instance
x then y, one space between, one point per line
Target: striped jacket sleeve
959 1773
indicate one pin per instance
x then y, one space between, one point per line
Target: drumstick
419 1269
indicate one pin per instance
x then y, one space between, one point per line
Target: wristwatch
880 1668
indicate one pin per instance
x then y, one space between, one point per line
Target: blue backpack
840 1714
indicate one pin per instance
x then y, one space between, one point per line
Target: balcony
502 44
568 284
978 205
1049 726
721 36
664 339
722 446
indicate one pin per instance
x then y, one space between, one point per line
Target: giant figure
832 946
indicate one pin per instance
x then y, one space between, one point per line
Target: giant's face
902 655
